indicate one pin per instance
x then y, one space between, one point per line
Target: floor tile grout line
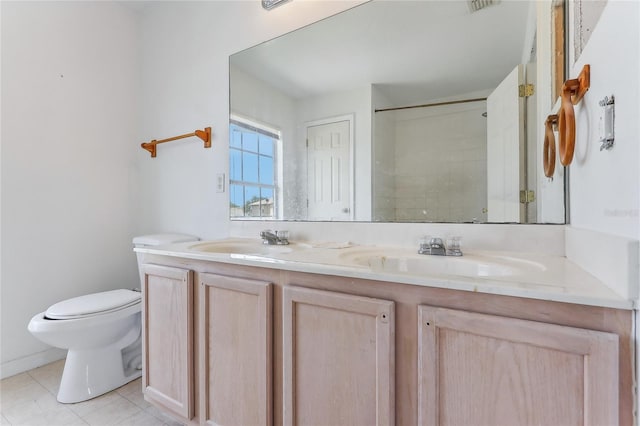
106 406
46 388
41 384
43 376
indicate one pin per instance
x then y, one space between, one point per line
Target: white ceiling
414 50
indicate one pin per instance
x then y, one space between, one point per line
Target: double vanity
332 333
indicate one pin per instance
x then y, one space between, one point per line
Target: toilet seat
93 304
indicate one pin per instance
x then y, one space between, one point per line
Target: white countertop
534 276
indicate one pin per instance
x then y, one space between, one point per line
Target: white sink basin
249 247
473 265
378 259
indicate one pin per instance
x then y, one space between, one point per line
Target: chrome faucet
273 238
436 247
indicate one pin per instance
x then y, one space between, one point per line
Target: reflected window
252 170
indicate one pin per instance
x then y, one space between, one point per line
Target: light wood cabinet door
167 324
235 329
477 369
338 356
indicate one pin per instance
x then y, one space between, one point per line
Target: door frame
329 120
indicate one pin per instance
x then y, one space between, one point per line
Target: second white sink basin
472 265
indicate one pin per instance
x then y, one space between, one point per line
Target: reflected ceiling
406 58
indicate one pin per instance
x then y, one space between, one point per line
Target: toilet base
90 373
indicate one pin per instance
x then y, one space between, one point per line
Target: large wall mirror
400 111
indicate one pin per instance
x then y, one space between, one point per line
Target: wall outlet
220 182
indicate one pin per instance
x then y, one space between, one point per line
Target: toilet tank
158 240
161 239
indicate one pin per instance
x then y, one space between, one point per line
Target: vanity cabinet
235 351
236 344
491 370
338 355
167 343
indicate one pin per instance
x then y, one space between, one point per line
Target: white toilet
102 332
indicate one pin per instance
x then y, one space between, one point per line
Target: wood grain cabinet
478 369
234 337
338 354
238 345
167 344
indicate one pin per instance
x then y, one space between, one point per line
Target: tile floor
29 399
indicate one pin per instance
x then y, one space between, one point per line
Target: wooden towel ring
567 123
549 148
572 92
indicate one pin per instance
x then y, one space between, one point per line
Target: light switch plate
220 182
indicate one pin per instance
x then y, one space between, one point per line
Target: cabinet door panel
489 370
167 315
235 351
338 354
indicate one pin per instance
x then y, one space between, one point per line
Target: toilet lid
92 304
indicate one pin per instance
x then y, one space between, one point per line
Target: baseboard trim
29 362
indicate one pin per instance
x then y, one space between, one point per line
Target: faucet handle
423 245
282 237
453 246
436 242
282 234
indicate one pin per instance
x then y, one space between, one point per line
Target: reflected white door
505 150
329 171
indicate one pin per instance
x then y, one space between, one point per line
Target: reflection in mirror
252 170
431 163
398 111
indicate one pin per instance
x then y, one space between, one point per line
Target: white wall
604 190
68 139
185 81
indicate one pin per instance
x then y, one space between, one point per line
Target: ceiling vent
476 5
